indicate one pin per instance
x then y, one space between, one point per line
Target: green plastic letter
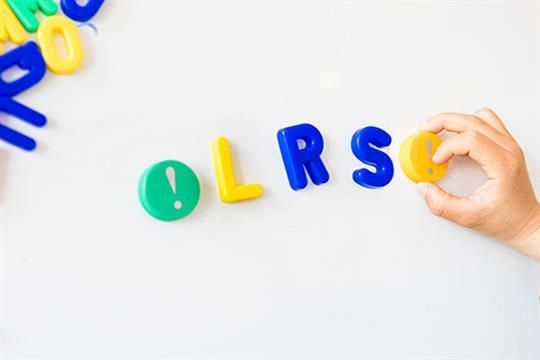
25 11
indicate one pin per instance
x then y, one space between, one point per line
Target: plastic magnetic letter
363 144
169 190
27 57
45 37
81 13
415 158
10 27
301 147
229 190
11 107
25 11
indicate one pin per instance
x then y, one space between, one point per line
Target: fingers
459 123
477 146
463 211
490 117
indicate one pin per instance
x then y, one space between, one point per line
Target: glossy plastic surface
81 13
362 146
22 112
10 27
45 37
27 57
169 190
415 158
229 190
301 148
25 11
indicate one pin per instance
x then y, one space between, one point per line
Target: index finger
474 145
459 123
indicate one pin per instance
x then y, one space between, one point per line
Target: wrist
527 236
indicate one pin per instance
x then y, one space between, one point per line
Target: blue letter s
361 147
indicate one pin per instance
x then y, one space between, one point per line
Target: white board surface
333 272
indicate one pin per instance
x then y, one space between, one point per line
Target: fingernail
422 188
436 157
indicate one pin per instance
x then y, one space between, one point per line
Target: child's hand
505 206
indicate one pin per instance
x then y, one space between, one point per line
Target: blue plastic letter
81 13
11 107
363 145
301 146
27 57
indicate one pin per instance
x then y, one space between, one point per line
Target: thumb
448 206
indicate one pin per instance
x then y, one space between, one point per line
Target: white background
336 271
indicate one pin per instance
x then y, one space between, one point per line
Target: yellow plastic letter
45 37
10 27
415 157
229 191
